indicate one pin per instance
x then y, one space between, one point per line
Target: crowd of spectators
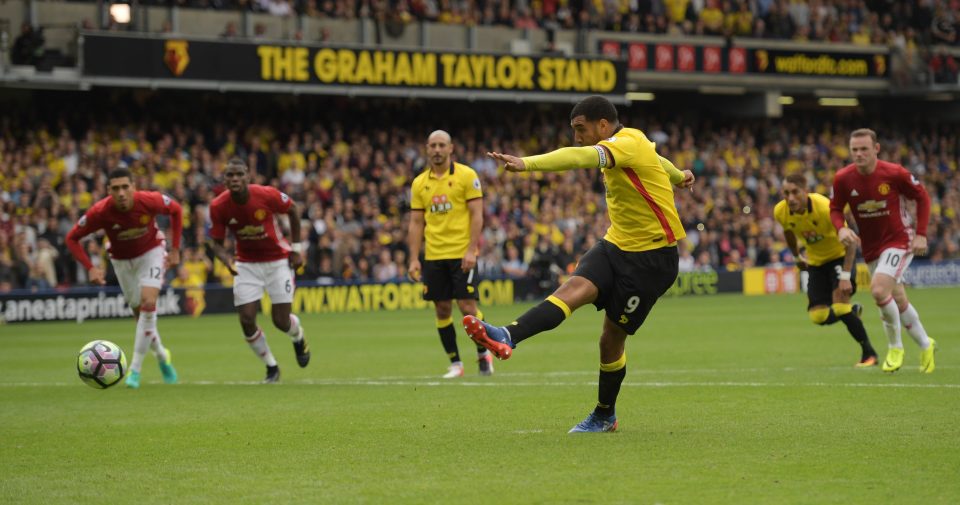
349 164
859 21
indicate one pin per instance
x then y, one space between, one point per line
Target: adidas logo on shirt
232 221
854 193
116 227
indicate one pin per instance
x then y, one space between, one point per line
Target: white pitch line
457 383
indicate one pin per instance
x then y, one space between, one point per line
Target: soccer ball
101 364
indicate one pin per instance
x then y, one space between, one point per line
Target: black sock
545 316
609 388
859 333
832 318
448 337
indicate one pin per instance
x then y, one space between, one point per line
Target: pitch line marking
439 383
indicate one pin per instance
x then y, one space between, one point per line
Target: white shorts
144 271
892 262
252 279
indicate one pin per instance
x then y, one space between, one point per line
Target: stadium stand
349 162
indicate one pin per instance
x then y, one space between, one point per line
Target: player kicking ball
628 270
138 256
264 260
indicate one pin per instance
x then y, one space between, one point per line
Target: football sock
911 321
855 327
141 341
890 315
294 330
611 376
448 338
545 316
149 318
258 344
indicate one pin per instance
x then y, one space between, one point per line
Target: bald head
439 135
439 149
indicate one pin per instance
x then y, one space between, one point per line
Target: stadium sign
79 305
705 58
706 283
928 274
317 299
246 65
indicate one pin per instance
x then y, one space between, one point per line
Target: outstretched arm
565 158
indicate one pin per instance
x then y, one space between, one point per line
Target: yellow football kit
443 201
812 228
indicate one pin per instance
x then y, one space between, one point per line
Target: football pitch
727 399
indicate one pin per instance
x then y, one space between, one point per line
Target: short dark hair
118 173
796 178
595 108
236 161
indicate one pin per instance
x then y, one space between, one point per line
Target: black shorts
444 280
629 282
822 280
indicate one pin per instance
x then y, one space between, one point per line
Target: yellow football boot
926 357
894 360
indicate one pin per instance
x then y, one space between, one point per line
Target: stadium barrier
706 283
925 274
81 304
787 279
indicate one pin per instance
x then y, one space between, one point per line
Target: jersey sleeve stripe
657 211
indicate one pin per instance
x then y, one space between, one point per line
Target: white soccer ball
101 364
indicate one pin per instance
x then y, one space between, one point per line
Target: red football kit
131 233
252 223
877 203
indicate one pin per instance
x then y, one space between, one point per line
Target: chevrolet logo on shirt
871 206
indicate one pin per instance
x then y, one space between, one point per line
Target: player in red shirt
876 191
137 252
264 260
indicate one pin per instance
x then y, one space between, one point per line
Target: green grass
727 399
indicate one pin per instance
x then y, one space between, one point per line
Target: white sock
911 321
141 342
258 343
149 320
294 330
891 322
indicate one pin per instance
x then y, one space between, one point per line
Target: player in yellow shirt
830 266
446 207
624 273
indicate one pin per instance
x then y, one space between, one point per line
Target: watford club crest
176 56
